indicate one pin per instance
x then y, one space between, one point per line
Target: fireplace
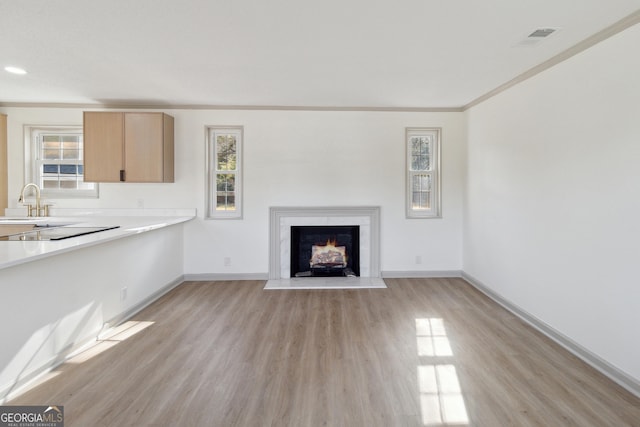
283 219
332 250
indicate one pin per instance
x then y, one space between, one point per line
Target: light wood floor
422 352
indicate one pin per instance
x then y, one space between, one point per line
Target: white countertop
19 252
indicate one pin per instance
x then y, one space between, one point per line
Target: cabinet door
4 177
103 146
168 147
143 149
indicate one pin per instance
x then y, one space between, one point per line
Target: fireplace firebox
332 250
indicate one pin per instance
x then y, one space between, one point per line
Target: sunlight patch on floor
441 400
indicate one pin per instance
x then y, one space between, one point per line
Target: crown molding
150 106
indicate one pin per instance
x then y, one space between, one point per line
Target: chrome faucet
36 208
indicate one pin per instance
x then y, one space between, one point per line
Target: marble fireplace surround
282 218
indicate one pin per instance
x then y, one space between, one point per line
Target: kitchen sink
53 224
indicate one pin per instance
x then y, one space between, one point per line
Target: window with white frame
55 154
224 183
423 172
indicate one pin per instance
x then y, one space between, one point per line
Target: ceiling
400 54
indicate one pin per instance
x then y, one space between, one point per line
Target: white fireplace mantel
282 218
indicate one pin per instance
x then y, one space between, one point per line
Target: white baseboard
620 377
133 310
208 277
421 274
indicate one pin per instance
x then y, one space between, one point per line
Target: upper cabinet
128 147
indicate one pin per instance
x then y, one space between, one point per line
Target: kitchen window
224 172
423 173
55 154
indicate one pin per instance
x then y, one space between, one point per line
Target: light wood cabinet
4 165
128 147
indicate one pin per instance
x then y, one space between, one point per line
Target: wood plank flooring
422 352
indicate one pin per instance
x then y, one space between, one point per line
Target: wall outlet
140 203
123 294
227 261
418 259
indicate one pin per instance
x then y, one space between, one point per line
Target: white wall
552 217
292 158
302 158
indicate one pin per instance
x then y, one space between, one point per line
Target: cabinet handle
121 174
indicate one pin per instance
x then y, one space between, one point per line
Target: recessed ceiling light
15 70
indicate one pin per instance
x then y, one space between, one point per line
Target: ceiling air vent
542 32
536 36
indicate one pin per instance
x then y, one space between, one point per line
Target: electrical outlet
227 261
123 294
140 203
418 259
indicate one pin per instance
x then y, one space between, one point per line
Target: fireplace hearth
322 251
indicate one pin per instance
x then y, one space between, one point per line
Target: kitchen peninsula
66 292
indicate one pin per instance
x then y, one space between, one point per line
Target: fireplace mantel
282 218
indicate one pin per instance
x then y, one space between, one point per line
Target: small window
224 184
56 165
423 172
